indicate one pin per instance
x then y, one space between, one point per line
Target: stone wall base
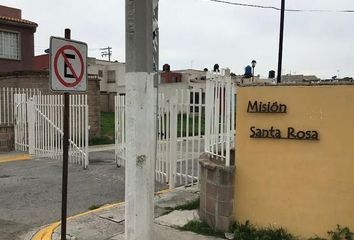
216 193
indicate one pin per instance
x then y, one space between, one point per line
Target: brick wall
107 102
216 193
40 79
7 139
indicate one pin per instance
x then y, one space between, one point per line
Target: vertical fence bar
181 136
207 116
86 133
222 116
15 111
74 128
31 125
215 97
200 112
8 106
163 138
23 126
233 112
187 135
228 121
167 112
193 134
81 126
159 138
173 142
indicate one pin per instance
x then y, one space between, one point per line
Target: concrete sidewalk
108 222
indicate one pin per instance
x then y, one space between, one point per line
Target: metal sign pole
65 157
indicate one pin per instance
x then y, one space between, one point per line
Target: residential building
112 80
192 75
299 78
168 76
16 40
111 75
41 62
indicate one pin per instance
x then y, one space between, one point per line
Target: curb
46 233
14 157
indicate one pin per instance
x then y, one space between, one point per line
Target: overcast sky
200 33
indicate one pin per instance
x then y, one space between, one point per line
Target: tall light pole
141 67
280 54
253 66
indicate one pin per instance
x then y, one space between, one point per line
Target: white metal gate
13 110
39 126
180 133
220 116
189 122
7 106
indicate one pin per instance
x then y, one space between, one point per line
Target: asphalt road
30 191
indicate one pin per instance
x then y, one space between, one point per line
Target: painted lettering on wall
268 107
291 133
273 132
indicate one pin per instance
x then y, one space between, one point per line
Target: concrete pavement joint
109 219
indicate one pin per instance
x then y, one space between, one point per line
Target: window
194 101
9 45
111 76
100 73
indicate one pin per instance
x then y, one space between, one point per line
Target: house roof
18 21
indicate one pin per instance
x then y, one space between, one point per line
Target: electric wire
278 9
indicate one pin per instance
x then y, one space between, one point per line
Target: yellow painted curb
14 157
47 232
162 192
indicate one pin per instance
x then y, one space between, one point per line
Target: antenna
106 52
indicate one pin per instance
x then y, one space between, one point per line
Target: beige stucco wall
304 186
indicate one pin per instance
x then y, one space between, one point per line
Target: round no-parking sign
68 65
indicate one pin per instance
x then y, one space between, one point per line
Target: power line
106 52
278 9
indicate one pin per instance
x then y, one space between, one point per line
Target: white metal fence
220 116
7 106
39 126
180 130
189 123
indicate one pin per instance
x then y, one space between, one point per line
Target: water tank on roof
166 68
248 72
271 74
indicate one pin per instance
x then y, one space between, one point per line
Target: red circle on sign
78 78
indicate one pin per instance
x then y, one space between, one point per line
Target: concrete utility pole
141 119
